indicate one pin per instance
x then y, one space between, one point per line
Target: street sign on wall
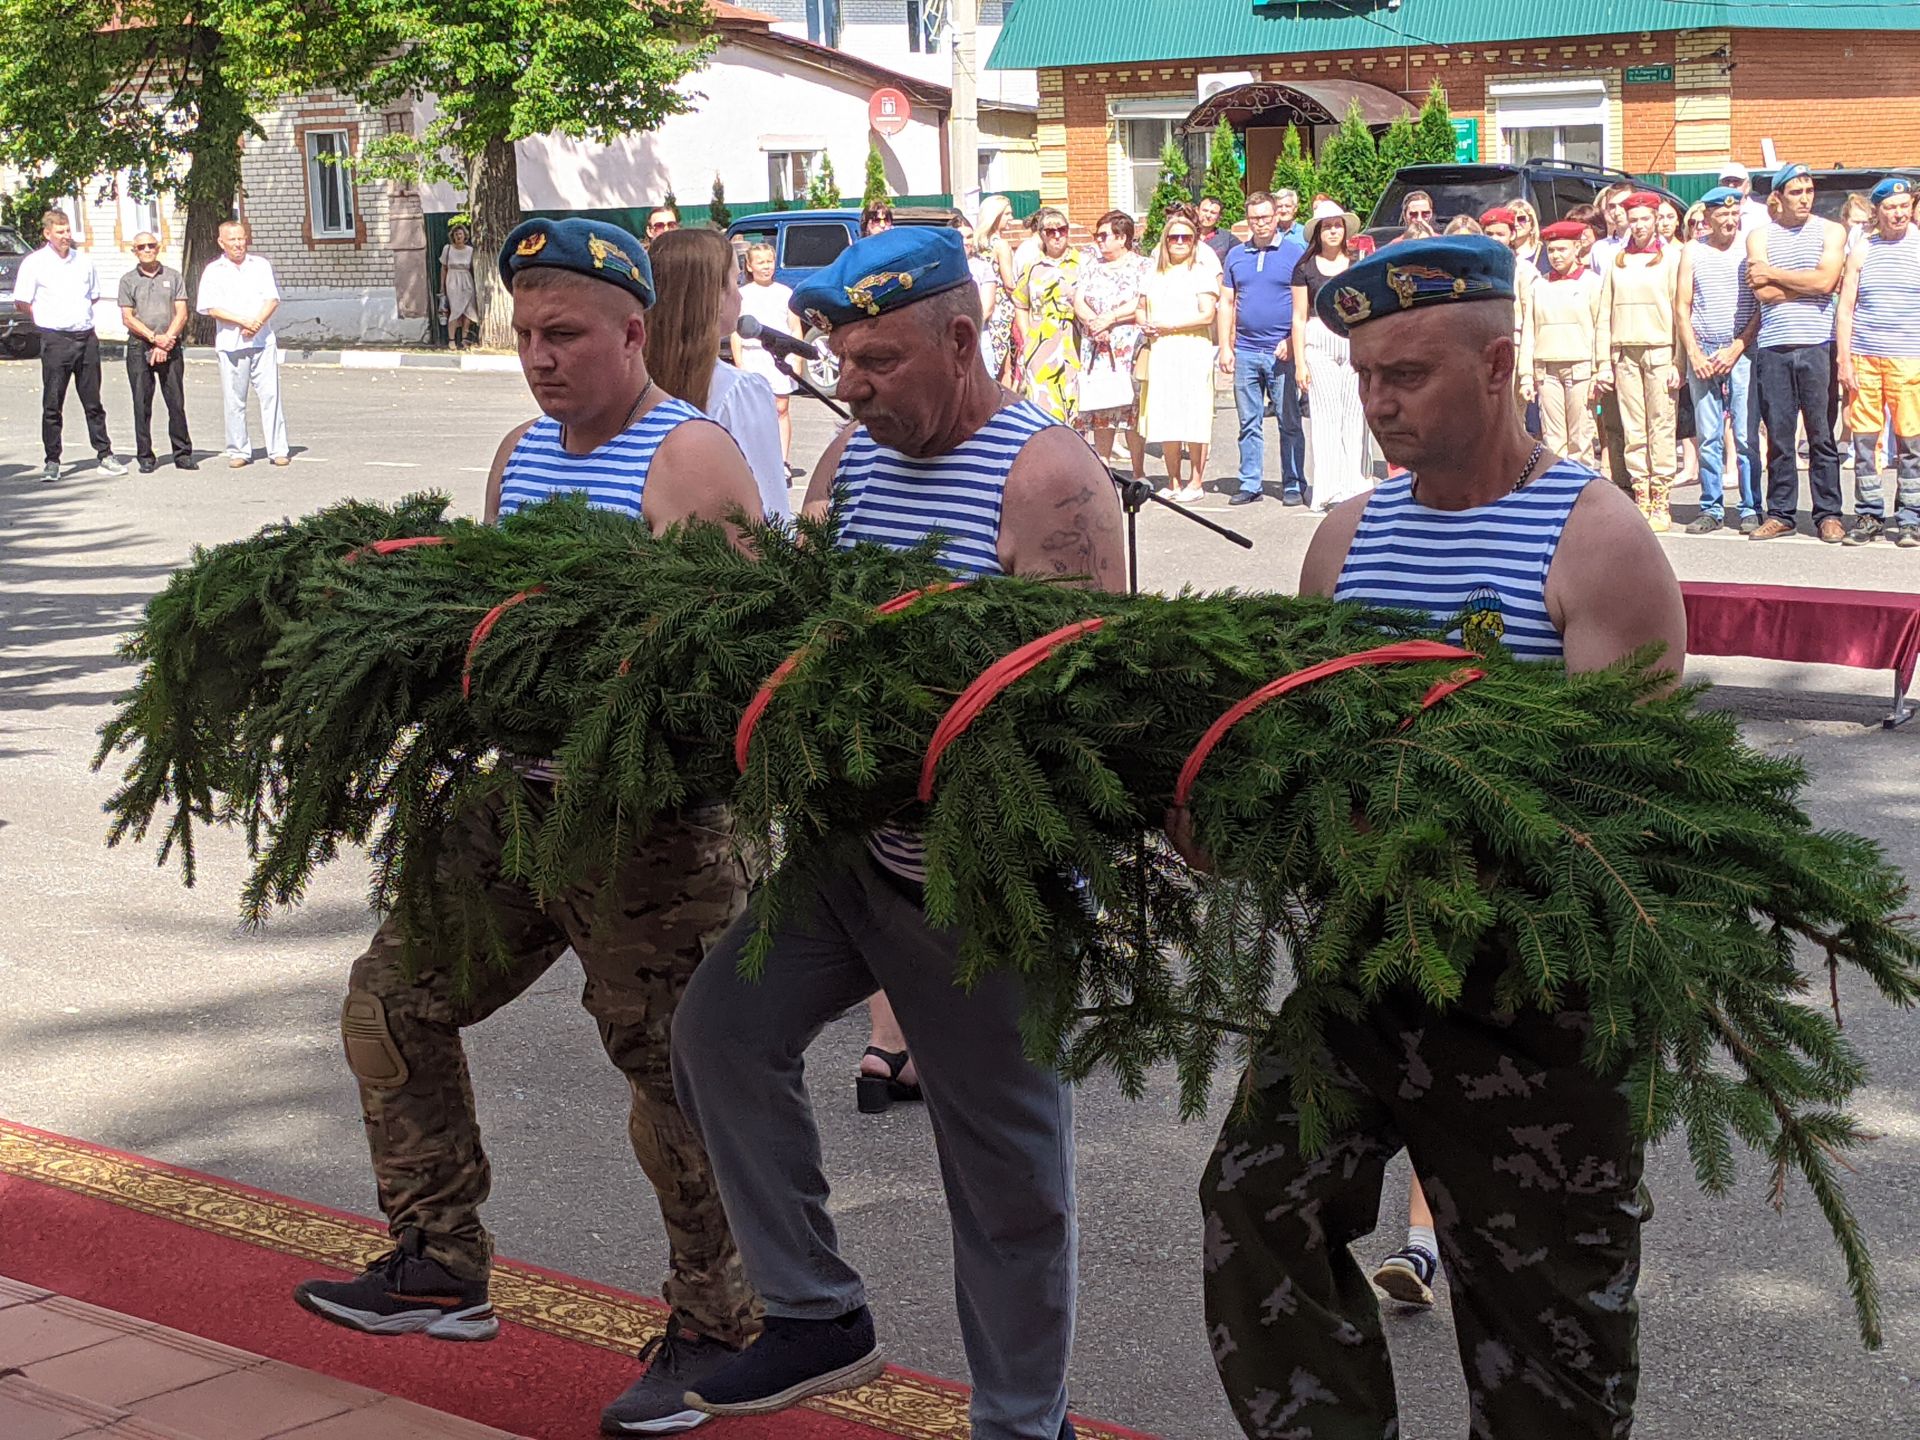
1649 74
1466 140
888 111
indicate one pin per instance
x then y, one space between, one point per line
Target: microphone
778 341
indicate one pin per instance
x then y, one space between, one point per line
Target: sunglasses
138 248
1182 239
1053 229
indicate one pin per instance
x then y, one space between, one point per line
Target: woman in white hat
1322 367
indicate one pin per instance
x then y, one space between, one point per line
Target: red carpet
220 1260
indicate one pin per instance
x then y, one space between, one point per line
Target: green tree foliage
1350 165
504 70
719 214
1175 188
671 200
1594 840
876 192
823 189
1434 130
1224 182
1294 170
1399 146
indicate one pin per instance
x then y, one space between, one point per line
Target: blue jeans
1713 401
1258 375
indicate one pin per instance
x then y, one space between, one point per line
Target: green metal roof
1044 33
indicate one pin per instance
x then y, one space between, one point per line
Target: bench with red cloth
1866 629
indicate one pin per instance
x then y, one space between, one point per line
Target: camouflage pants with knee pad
1534 1175
671 897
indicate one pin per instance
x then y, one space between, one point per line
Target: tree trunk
493 203
212 182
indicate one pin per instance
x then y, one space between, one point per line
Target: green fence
633 218
1689 185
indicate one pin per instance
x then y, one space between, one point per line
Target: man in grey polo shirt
57 285
153 305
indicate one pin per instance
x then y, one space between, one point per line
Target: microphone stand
799 377
1134 495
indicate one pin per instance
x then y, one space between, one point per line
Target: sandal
874 1093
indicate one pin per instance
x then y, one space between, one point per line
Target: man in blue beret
936 448
1719 320
1529 1160
1794 265
1877 346
581 289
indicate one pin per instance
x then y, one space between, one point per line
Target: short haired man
1794 266
1719 325
581 289
1211 235
153 307
660 220
1254 327
238 291
1529 1158
937 448
1287 222
1736 177
57 285
1877 340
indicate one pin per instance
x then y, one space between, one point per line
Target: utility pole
963 119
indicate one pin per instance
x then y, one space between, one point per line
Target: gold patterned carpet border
898 1403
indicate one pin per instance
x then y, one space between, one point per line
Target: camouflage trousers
672 896
1534 1176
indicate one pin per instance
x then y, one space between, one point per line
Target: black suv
1832 187
1552 186
17 335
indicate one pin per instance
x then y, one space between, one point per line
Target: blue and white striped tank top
1722 300
1886 313
1797 322
1482 573
895 500
612 476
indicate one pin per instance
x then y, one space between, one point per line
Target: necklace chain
1526 470
639 400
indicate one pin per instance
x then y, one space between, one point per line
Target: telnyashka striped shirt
1886 312
612 476
898 501
1807 321
1722 301
1481 573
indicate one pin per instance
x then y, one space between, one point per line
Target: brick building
1668 87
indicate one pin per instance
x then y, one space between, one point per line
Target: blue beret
1891 186
1412 273
883 272
1721 195
1790 172
587 247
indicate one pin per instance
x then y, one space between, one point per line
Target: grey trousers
1003 1128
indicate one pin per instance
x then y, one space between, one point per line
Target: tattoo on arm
1071 546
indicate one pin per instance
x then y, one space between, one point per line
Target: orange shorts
1884 388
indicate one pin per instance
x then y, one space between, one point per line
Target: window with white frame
137 212
923 26
329 184
1551 119
74 207
1142 138
789 172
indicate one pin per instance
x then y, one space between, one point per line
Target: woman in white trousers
1335 422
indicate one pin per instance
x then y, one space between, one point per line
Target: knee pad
372 1053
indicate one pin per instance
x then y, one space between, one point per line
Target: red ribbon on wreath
484 629
389 547
1402 652
989 683
756 707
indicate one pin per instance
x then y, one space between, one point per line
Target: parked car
1832 187
807 240
17 335
1553 186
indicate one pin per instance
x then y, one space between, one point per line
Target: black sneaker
792 1360
404 1293
1908 536
1865 530
656 1403
148 464
1705 525
1248 497
1292 497
1407 1275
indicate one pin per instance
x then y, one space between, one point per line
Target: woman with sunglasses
1526 234
875 218
1417 209
991 262
1108 305
1177 304
1049 358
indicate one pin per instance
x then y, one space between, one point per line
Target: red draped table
1867 629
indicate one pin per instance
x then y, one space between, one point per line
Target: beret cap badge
1352 305
533 244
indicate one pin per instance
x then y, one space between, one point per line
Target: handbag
1105 386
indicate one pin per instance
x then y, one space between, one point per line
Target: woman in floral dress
1050 361
1107 303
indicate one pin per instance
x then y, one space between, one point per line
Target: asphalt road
139 1014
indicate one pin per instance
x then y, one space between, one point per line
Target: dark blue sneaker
656 1403
792 1360
1292 496
1408 1274
404 1292
1247 497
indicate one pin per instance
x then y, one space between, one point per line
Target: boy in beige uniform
1559 313
1635 352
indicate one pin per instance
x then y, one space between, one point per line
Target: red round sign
889 111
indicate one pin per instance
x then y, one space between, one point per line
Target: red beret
1565 230
1498 215
1643 197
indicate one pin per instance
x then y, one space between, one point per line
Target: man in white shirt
57 285
1753 212
237 290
